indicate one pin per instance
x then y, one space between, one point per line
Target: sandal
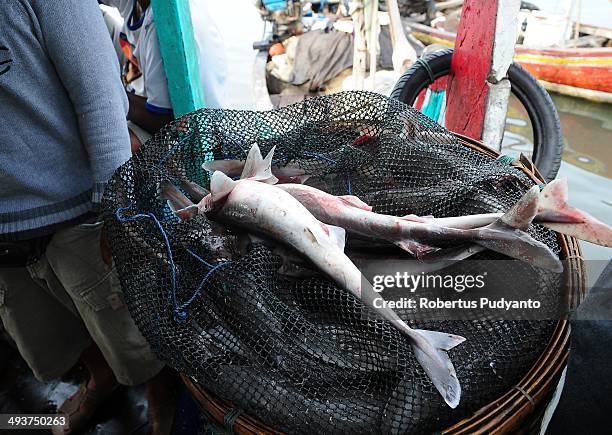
80 408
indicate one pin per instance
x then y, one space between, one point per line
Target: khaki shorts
55 307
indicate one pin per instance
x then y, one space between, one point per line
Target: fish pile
271 202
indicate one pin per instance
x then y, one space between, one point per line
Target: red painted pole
477 90
467 88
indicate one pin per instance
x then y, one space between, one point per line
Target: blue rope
151 216
200 258
197 291
179 310
350 185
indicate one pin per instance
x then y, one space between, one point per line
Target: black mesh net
297 353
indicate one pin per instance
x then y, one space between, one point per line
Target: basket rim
509 411
506 413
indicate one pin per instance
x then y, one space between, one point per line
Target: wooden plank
496 105
587 94
477 91
596 31
359 45
179 54
467 86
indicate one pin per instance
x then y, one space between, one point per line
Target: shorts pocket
75 256
104 294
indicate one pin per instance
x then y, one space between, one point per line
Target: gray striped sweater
63 113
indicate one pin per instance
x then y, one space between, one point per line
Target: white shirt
211 54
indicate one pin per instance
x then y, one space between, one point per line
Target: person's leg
44 323
75 258
74 255
49 337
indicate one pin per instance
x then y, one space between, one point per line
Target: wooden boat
579 72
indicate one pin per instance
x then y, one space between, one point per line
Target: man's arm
142 116
78 44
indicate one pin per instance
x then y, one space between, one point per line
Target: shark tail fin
556 214
506 235
429 348
431 354
554 207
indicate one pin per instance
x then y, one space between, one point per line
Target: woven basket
517 411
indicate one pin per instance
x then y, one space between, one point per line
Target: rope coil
428 69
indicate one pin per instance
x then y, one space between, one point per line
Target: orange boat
580 72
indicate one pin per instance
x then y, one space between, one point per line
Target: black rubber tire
543 115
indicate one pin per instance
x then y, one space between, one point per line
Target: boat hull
586 68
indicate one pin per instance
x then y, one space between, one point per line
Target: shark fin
220 186
554 207
257 168
524 211
187 213
429 349
231 168
337 235
440 370
457 253
556 214
441 340
506 235
414 248
331 234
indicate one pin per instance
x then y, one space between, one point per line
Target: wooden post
359 43
404 54
372 7
478 90
179 54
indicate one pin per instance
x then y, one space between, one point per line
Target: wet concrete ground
124 413
587 157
